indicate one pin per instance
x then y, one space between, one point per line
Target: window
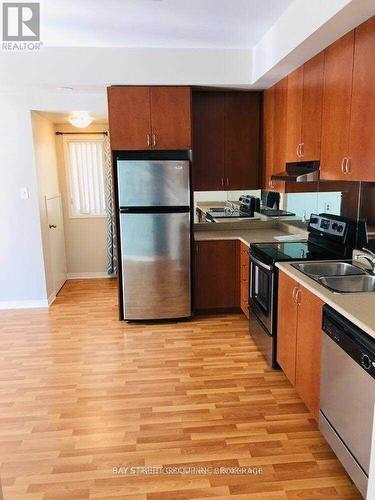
85 171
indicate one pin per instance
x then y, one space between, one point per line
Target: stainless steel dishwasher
348 394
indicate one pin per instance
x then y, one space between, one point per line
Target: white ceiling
158 23
63 118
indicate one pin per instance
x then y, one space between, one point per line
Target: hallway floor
86 399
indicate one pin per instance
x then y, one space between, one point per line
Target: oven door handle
259 263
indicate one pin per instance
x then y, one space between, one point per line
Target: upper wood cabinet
361 160
208 135
129 117
337 92
267 135
216 283
225 140
304 111
142 118
241 143
299 339
294 115
348 134
312 106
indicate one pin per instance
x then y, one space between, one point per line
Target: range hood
303 171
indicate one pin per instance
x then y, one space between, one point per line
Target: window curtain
111 233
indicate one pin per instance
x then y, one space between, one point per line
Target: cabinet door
309 331
294 114
287 326
208 140
362 127
171 117
279 130
216 282
244 278
337 91
241 147
267 133
312 106
129 118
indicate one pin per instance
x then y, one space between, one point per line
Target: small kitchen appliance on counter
270 206
330 237
248 205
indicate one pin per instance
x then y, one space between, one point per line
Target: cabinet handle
227 181
297 151
222 181
343 165
294 293
154 140
298 297
347 166
148 140
270 183
302 149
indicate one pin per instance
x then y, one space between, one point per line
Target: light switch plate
24 193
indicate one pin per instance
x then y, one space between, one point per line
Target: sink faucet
369 256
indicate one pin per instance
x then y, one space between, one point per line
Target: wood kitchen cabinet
299 339
144 118
208 135
361 161
304 111
241 140
279 126
337 92
287 326
226 130
267 134
348 131
244 278
216 276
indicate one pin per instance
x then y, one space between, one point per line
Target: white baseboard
86 276
51 298
23 304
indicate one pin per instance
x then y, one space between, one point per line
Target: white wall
22 276
85 238
101 66
305 28
48 184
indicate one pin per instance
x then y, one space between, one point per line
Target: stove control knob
340 228
314 220
334 226
366 361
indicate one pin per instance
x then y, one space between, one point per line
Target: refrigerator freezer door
155 265
153 183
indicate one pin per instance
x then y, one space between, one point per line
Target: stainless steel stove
330 237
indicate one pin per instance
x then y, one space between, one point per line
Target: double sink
339 277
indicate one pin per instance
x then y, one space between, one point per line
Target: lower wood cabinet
299 339
216 276
244 278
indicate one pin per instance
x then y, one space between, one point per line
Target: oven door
262 284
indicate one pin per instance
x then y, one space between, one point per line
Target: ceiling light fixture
80 119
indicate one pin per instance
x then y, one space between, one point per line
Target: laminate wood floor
82 393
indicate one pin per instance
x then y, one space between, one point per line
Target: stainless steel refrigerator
155 238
